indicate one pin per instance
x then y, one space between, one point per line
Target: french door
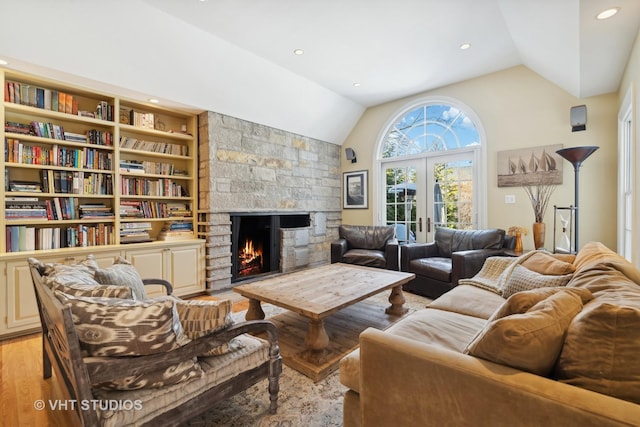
427 192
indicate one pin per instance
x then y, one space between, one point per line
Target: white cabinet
179 263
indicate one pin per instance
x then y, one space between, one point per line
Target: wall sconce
351 155
578 118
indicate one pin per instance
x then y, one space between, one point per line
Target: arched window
429 127
430 159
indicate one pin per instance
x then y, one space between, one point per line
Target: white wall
520 109
631 82
132 49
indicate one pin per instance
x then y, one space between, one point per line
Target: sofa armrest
161 282
466 264
338 249
406 382
118 367
415 251
392 253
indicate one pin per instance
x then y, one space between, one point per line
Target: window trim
479 152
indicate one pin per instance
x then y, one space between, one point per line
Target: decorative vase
539 230
518 247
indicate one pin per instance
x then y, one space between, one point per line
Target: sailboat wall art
530 166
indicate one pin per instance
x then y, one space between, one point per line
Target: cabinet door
21 306
150 264
185 265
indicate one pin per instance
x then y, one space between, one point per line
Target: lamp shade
576 155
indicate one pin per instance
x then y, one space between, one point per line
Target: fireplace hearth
256 242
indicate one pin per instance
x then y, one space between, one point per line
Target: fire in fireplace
250 259
255 242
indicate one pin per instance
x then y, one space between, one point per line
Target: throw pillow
530 341
169 375
521 302
105 291
122 273
201 317
546 263
120 327
523 279
600 351
55 274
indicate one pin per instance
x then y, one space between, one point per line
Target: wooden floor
22 386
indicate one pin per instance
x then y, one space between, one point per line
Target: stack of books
131 209
135 232
25 208
95 211
26 186
131 166
176 230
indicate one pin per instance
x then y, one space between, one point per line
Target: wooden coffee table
320 292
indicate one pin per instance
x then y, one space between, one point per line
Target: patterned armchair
177 359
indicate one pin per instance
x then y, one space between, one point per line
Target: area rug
301 402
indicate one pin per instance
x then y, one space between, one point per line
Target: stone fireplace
284 186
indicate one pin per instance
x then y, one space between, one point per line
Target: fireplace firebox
255 242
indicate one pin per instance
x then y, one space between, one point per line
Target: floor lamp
575 156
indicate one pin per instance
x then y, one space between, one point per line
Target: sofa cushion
600 352
521 302
366 237
595 255
523 279
122 273
438 268
449 240
251 353
530 341
365 257
469 300
119 327
549 264
169 375
202 317
446 329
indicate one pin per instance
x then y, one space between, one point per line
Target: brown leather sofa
367 245
453 255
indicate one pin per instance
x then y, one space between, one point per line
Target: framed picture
530 166
355 190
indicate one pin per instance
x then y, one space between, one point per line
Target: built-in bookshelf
84 168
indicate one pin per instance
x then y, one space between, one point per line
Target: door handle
420 224
428 225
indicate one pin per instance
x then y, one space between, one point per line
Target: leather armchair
453 255
367 245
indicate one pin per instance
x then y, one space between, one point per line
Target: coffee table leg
317 338
254 312
397 300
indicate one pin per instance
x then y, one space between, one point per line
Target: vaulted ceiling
392 49
237 57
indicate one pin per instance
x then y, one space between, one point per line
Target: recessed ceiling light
357 84
3 62
154 101
606 14
298 51
465 46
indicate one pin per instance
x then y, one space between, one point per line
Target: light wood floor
22 385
